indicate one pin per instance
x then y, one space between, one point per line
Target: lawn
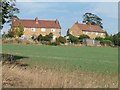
95 59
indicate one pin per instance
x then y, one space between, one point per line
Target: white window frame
43 29
33 29
96 33
53 30
101 34
86 32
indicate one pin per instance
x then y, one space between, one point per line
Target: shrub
73 39
106 42
81 37
61 40
99 38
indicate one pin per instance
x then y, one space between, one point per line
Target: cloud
108 9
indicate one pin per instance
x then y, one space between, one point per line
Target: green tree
81 37
116 39
99 38
93 19
16 32
48 38
73 39
61 40
40 38
7 11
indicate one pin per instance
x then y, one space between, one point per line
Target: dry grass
21 77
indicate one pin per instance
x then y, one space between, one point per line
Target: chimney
36 20
77 22
89 23
14 19
57 21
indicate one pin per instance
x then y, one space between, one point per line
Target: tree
61 40
17 32
73 39
7 11
116 39
81 37
99 38
48 37
92 19
40 38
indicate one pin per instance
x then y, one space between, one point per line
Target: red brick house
92 31
37 27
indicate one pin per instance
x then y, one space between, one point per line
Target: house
37 27
92 31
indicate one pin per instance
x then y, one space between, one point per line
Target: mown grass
95 59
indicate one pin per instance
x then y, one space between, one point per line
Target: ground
64 66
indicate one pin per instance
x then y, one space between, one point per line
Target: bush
99 38
106 42
61 40
81 37
55 43
73 39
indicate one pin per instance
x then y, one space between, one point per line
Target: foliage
99 38
106 42
7 11
116 39
40 38
55 43
46 38
73 39
61 40
93 19
16 32
81 37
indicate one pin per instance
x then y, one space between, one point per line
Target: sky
69 12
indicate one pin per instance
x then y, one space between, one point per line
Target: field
71 66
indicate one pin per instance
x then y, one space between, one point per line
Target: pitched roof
90 28
36 23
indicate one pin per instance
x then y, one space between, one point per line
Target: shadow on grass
12 59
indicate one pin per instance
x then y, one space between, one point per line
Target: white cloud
107 9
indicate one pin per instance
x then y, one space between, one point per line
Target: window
86 32
52 30
83 32
101 34
96 33
43 29
33 29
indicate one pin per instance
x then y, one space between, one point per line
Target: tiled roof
90 28
36 23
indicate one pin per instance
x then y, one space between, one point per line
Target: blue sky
70 12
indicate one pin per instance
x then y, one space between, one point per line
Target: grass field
102 61
84 58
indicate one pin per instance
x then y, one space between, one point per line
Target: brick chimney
36 20
77 22
89 23
57 21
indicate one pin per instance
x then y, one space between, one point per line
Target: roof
36 23
90 28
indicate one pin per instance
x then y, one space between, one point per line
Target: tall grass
21 77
